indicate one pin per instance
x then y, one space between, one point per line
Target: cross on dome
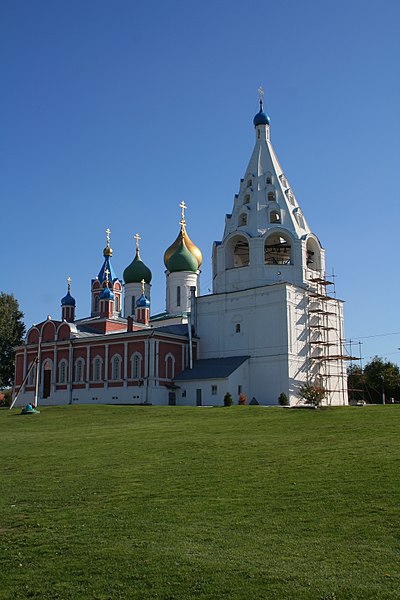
137 238
183 208
108 231
142 284
260 96
69 283
106 273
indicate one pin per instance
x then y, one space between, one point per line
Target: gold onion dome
183 255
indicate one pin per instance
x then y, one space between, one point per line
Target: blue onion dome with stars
68 300
137 270
261 117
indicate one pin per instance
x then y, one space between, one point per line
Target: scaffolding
326 355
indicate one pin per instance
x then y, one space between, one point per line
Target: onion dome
183 255
68 300
261 118
107 294
137 270
142 302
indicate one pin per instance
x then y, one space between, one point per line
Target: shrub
242 399
283 399
228 399
312 394
6 397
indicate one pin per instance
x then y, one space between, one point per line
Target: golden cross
69 283
260 94
183 207
137 238
107 272
108 231
143 282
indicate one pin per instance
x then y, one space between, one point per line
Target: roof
177 329
212 368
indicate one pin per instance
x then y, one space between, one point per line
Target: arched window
79 366
97 368
62 371
249 182
237 252
178 295
271 196
117 306
246 199
169 366
32 375
136 365
96 304
242 219
274 217
299 218
116 367
133 305
268 180
277 250
313 255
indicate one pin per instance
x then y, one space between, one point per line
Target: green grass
235 503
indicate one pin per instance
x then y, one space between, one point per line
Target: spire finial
69 283
108 231
260 96
137 238
183 207
142 284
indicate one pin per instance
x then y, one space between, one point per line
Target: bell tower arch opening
237 252
278 249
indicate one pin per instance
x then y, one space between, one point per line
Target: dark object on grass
30 410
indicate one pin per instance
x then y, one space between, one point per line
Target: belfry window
274 217
178 295
96 304
242 219
271 196
269 180
247 199
249 183
241 254
277 250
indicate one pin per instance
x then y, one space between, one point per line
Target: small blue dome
107 294
68 300
261 118
142 302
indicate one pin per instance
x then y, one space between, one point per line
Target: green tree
312 394
355 383
382 378
12 330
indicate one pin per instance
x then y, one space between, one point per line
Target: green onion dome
136 271
183 254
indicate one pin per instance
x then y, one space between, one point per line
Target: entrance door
172 398
46 383
198 397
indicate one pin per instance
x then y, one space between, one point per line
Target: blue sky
112 112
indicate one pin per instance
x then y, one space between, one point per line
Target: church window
214 390
169 366
247 199
258 134
62 372
136 365
277 250
178 295
274 217
249 182
271 196
269 180
79 365
32 375
237 327
117 307
96 304
242 220
116 367
133 305
97 368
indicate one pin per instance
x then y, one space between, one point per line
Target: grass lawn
235 503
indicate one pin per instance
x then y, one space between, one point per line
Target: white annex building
269 326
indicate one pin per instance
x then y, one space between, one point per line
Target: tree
312 394
355 383
12 330
382 379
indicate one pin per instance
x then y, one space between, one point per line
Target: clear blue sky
112 112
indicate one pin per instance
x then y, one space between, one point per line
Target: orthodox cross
142 283
108 231
137 238
183 207
107 272
69 283
260 93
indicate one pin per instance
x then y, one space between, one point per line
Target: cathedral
270 325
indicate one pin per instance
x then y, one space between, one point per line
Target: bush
283 399
312 394
6 397
242 399
228 399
